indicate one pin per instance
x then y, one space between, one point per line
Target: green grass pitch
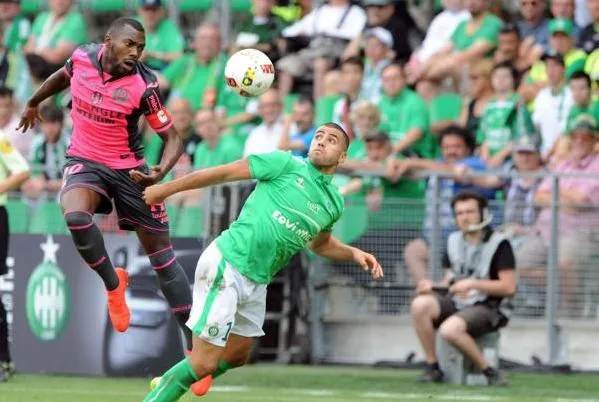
271 383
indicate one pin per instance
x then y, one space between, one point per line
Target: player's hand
154 194
29 117
369 263
156 174
424 286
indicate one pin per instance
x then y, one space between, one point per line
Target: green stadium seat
241 6
108 6
186 6
190 222
48 219
288 102
324 108
30 7
18 216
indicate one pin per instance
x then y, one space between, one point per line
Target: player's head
125 42
329 146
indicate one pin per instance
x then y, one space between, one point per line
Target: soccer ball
249 72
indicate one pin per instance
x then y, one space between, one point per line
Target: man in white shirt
266 137
330 28
552 105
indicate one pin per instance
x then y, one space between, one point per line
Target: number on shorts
229 326
76 168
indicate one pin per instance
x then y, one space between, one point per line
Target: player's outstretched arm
234 171
330 247
57 82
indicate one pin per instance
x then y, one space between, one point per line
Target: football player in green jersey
293 206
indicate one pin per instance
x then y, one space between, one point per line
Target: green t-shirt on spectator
234 104
488 31
165 39
17 33
71 28
504 121
226 150
261 31
443 107
402 113
190 80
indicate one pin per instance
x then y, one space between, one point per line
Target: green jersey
488 31
226 150
11 162
17 33
292 203
504 121
49 33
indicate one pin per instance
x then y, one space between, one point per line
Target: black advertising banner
57 306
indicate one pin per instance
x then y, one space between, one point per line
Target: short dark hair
121 22
52 114
339 128
511 68
581 75
461 132
510 28
6 92
353 61
465 195
304 100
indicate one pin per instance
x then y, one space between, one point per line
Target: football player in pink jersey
110 90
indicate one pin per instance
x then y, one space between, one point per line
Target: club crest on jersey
314 207
120 95
96 98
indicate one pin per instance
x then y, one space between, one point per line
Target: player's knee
78 220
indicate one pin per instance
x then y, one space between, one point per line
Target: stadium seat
324 108
187 6
18 216
190 222
48 219
29 7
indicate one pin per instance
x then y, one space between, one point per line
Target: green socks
174 383
222 368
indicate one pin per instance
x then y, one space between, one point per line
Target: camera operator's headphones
483 204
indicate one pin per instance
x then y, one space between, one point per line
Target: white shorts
224 301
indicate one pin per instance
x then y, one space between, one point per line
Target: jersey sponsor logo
96 98
120 95
292 226
95 113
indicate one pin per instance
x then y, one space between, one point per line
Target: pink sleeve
69 65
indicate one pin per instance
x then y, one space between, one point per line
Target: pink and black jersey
106 110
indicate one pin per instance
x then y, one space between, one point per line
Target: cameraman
479 266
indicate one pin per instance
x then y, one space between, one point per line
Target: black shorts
132 211
480 318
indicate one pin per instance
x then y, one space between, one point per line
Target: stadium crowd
498 86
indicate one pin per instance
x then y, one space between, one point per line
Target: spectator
578 220
14 72
560 42
395 204
443 108
197 76
215 148
365 120
293 11
470 41
327 41
47 157
481 92
588 39
511 49
565 9
260 29
504 118
350 85
479 271
534 23
164 42
404 114
382 14
580 87
17 26
378 52
552 106
267 136
298 128
237 114
55 35
9 121
457 149
440 30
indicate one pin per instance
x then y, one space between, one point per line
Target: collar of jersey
317 175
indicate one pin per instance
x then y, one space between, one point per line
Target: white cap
381 34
